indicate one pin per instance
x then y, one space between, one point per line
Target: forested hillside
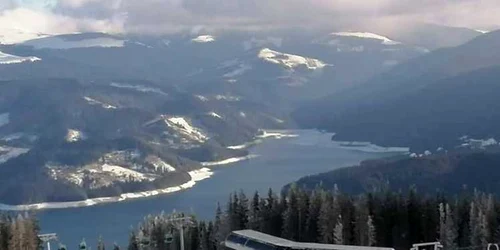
447 173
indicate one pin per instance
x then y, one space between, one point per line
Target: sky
168 16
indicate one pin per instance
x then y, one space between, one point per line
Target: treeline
19 233
387 219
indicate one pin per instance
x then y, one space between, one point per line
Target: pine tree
338 232
132 242
313 216
372 233
254 213
116 247
100 244
290 216
243 210
451 236
327 218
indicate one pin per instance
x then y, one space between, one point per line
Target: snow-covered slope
59 42
182 126
290 61
92 101
204 39
367 35
11 59
13 36
139 88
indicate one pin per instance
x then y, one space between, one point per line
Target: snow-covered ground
483 31
14 35
7 153
159 164
227 98
204 39
213 114
139 88
181 125
277 134
290 61
74 135
92 101
368 35
196 176
478 143
12 59
228 161
62 43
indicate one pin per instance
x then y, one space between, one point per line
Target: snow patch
7 153
204 39
125 173
227 98
4 119
213 114
14 35
290 61
160 165
74 135
181 125
228 161
139 88
62 43
12 59
367 35
201 98
240 70
96 102
277 134
478 143
483 31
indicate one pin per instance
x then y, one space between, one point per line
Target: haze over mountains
91 114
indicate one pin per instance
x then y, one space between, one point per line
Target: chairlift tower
179 223
47 238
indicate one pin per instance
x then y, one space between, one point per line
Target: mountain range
95 115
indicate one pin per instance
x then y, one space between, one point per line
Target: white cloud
163 16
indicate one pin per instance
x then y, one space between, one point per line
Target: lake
279 162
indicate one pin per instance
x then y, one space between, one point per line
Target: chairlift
169 238
83 245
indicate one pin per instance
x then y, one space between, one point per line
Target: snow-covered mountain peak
204 39
290 61
368 35
75 41
11 59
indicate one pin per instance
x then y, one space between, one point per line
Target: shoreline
228 161
196 176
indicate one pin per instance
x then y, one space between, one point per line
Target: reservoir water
279 162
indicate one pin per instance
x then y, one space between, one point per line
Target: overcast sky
166 16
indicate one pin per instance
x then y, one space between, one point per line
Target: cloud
164 16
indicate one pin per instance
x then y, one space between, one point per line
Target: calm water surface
280 162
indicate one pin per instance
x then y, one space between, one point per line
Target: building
253 240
